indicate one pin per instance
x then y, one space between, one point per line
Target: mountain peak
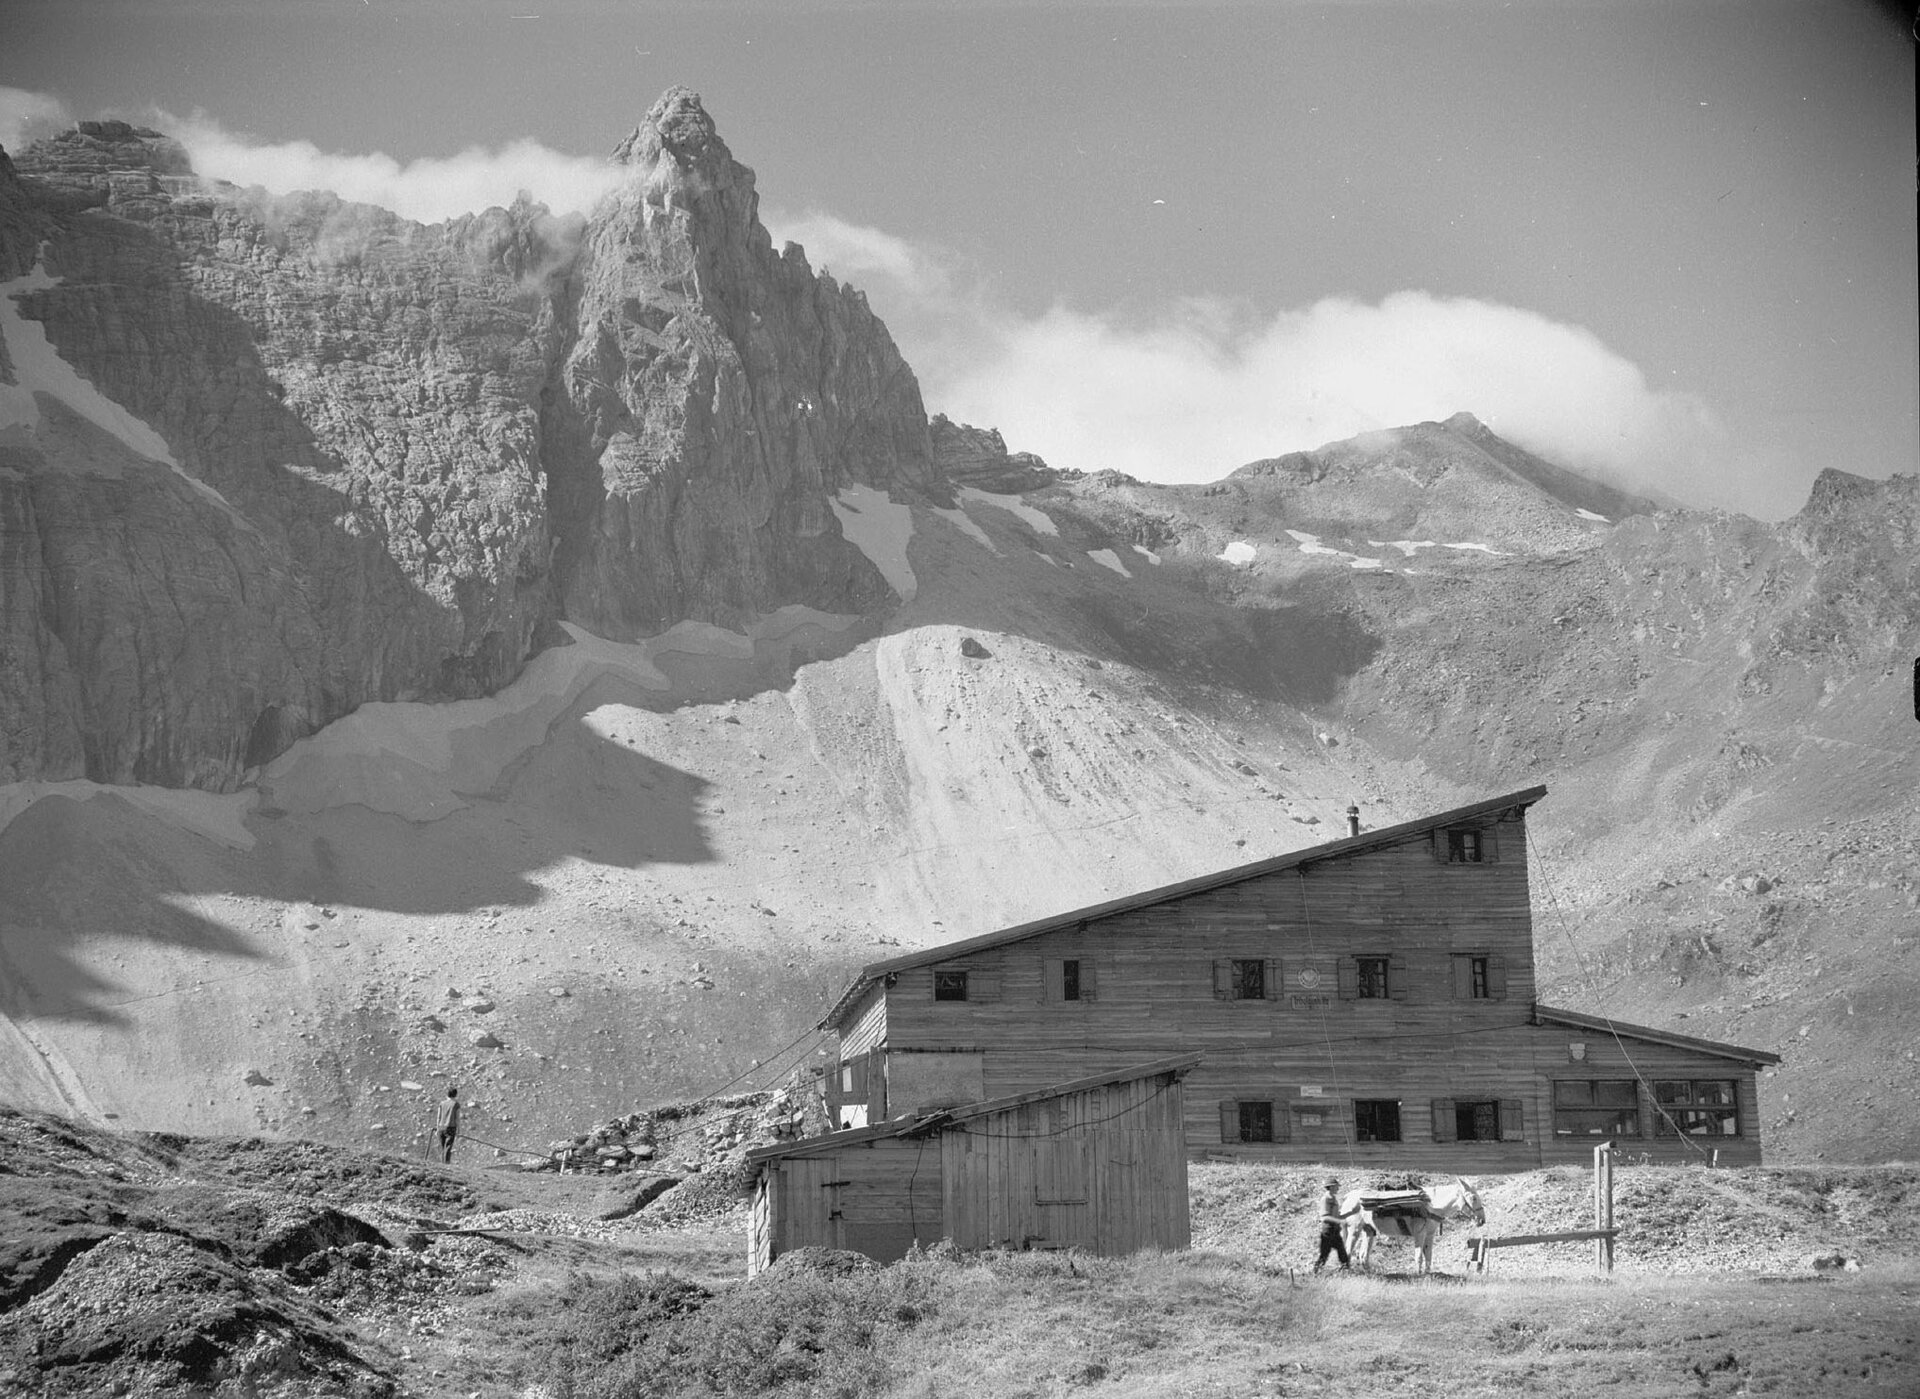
676 125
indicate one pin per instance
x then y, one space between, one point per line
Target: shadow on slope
86 886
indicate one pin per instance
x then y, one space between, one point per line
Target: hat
1332 1184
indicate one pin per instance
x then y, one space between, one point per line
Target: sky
1670 242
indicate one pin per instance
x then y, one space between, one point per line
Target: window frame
1247 970
1070 978
1610 1118
946 980
1671 1114
1233 1121
1375 987
1376 1108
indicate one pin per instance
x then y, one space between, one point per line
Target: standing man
446 1125
1330 1217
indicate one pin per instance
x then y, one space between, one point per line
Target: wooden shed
1099 1164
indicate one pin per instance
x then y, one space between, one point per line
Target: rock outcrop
265 459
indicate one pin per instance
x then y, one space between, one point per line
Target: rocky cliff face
265 459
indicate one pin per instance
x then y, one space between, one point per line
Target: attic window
1464 848
950 986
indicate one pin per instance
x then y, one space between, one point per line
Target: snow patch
1046 558
1310 543
422 761
1106 558
219 818
1589 515
38 368
1144 552
964 522
1483 548
1041 522
879 529
1409 547
1237 553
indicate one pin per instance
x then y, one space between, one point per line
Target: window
1697 1108
1374 978
1376 1120
1479 976
1465 848
1252 1120
1245 979
1479 1120
1068 979
1256 1122
1607 1107
949 986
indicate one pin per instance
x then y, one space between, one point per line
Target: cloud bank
1201 386
429 189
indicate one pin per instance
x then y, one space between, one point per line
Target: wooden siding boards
1096 1164
1311 1045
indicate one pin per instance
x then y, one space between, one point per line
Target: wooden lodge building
1368 1002
1098 1164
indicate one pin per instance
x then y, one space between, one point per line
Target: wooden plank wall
1155 995
1648 1062
1103 1169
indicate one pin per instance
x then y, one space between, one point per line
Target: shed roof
1298 859
1178 1065
1602 1025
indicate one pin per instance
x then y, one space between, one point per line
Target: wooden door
810 1214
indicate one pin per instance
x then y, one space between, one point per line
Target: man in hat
446 1124
1331 1214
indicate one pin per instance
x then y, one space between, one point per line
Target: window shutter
1489 847
1398 982
1229 1120
1053 979
1497 978
1282 1122
1222 979
1445 1124
1513 1127
983 983
1270 978
1089 988
1463 977
1349 979
1437 843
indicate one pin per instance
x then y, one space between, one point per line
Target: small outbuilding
1099 1164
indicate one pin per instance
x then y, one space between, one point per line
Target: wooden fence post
1603 1206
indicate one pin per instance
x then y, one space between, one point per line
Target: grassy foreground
1206 1324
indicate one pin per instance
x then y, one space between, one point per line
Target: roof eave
1606 1025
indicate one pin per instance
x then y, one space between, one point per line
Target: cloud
1202 386
857 254
428 189
26 117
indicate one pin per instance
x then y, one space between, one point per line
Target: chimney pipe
1353 820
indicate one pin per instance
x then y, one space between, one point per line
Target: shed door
811 1200
1063 1191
